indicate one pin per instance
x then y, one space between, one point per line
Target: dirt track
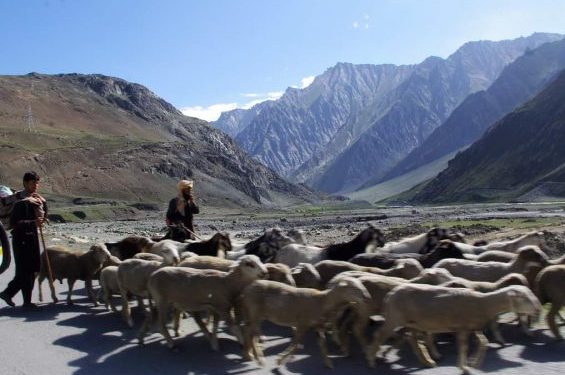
81 339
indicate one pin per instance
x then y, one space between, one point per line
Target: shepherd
26 218
182 208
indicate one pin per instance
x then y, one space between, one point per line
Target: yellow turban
185 185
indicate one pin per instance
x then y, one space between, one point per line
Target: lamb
365 241
192 290
129 246
405 268
70 265
305 275
493 271
549 288
297 236
446 249
133 275
422 243
512 246
456 310
299 308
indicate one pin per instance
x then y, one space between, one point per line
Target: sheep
204 262
493 271
446 249
277 272
470 249
305 275
422 243
437 309
486 286
405 268
217 245
549 288
129 246
297 236
133 275
265 247
148 256
192 290
299 308
512 246
365 241
70 265
109 285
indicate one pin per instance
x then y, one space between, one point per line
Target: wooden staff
188 230
49 273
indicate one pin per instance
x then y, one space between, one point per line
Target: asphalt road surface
86 340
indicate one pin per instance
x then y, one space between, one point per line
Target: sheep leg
126 312
144 327
496 333
296 339
53 295
421 351
379 337
463 348
71 284
198 319
550 319
215 323
108 299
431 345
481 350
234 329
323 348
523 320
90 292
176 322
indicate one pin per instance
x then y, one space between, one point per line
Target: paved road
84 340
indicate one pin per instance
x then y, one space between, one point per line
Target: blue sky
211 55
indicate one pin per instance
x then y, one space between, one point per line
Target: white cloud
306 81
273 95
210 113
355 24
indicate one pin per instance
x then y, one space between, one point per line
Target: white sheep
196 291
299 308
437 309
109 285
404 268
133 275
420 244
512 246
71 265
493 271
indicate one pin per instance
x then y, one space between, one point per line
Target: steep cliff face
519 81
521 156
354 123
101 136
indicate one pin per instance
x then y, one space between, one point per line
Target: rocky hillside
519 81
356 122
520 157
100 136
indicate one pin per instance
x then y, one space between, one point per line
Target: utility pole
28 118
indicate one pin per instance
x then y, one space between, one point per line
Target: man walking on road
27 216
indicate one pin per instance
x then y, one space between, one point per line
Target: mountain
519 81
520 157
354 123
99 136
234 121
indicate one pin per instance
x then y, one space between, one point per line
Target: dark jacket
174 217
25 237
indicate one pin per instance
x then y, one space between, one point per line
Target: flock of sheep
423 285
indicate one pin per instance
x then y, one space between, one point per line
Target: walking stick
191 232
49 273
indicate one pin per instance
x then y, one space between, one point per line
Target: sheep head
352 289
251 267
101 253
532 254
